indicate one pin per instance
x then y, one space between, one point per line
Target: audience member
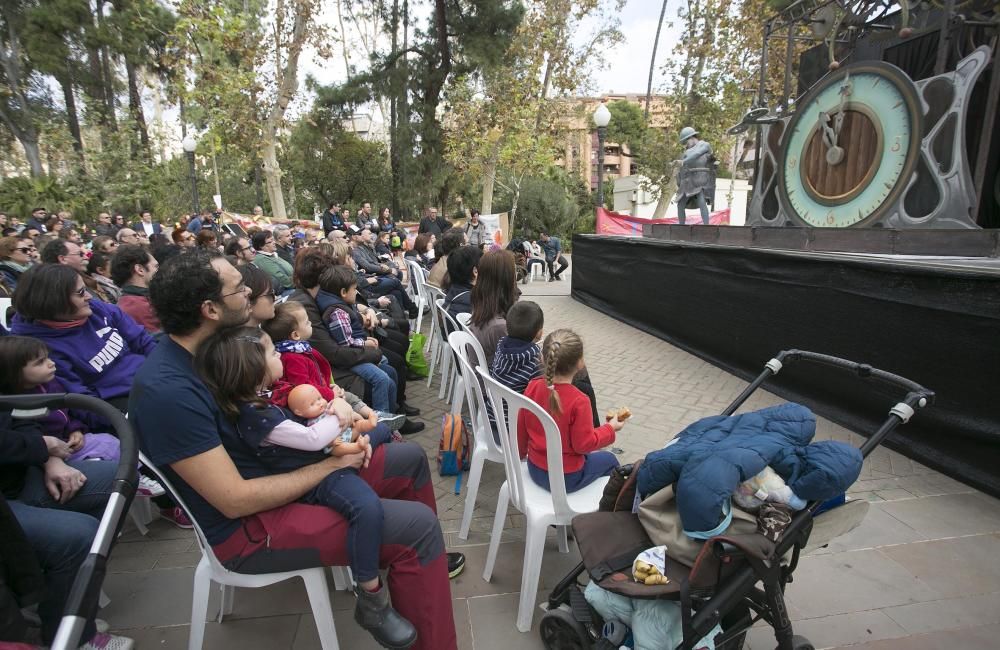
283 244
96 347
553 255
240 248
462 263
99 270
146 225
419 251
492 295
562 354
17 254
231 490
448 242
261 294
268 261
132 269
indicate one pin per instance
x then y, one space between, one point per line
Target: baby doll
306 402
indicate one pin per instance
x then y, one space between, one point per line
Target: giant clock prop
866 146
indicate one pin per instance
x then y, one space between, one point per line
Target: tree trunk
287 82
21 125
135 109
393 116
72 119
652 60
490 179
107 79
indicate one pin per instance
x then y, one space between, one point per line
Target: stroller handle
82 603
916 395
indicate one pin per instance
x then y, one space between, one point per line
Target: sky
627 66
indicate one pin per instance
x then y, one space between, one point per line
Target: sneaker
104 641
409 427
177 517
393 420
149 487
456 564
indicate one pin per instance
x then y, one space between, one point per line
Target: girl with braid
562 358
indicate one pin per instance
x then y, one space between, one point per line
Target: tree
21 92
503 123
627 126
331 164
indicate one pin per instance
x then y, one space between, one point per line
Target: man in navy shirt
251 516
553 255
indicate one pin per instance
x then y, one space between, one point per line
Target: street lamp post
601 118
190 144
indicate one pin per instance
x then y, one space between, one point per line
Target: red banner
613 223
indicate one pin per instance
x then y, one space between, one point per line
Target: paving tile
177 560
949 515
842 629
251 634
493 624
954 567
150 598
856 581
972 638
508 569
879 528
948 614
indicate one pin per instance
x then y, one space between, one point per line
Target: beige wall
580 149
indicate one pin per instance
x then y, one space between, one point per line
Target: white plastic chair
445 324
419 284
4 304
463 320
485 447
433 347
211 570
542 508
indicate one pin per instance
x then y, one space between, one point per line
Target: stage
736 296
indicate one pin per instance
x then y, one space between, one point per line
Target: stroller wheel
560 631
801 643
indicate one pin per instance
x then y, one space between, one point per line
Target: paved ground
920 573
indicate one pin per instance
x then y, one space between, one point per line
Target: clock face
851 147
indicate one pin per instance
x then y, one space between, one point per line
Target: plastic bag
415 359
651 566
766 486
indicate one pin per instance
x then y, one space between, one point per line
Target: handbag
415 359
661 521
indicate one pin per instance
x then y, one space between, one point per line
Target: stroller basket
721 586
82 603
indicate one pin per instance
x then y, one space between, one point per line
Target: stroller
721 588
82 603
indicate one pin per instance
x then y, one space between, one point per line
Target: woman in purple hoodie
96 347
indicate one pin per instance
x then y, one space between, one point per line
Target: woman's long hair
496 287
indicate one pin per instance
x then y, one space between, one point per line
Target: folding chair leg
534 546
503 499
199 604
319 600
472 490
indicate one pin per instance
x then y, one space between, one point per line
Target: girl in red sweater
562 354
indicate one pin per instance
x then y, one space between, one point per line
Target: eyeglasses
27 249
188 238
81 292
241 288
78 253
247 248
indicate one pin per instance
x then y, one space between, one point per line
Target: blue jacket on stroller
711 457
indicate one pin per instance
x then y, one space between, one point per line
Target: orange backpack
453 450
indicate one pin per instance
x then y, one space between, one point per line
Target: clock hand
829 135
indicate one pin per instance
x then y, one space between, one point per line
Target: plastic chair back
507 406
461 342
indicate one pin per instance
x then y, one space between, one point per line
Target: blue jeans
382 381
702 205
595 465
350 496
390 286
61 534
